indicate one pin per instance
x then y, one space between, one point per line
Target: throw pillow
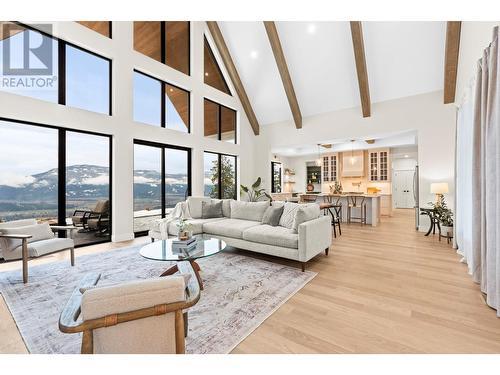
38 232
272 216
305 213
288 216
210 210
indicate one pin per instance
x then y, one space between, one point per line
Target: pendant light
318 160
352 152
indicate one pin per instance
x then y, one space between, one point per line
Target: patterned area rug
240 293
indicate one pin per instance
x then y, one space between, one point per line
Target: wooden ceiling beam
359 56
451 60
233 74
279 56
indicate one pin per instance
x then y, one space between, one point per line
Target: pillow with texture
194 204
288 216
272 216
226 207
210 210
305 213
253 211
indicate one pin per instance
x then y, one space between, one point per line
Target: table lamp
439 188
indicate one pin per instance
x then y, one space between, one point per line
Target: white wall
474 38
426 113
121 126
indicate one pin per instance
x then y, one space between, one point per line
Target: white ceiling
403 59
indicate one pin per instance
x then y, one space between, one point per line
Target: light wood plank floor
386 289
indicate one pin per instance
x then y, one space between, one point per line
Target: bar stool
356 202
329 208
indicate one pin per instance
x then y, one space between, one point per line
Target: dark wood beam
233 74
359 56
451 60
279 56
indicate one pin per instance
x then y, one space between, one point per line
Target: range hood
353 164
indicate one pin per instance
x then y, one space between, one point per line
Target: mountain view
36 196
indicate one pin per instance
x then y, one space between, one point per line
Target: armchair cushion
38 232
39 248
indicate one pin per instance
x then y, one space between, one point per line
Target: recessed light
254 54
206 74
311 28
171 90
406 156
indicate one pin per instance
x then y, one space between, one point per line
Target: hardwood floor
385 289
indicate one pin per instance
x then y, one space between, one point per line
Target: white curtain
478 150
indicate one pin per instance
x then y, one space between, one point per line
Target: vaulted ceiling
402 59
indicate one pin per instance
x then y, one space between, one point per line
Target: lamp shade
439 188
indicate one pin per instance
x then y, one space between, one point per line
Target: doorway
403 188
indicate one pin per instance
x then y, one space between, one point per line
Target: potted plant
255 193
184 227
445 216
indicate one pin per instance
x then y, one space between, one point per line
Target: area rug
240 293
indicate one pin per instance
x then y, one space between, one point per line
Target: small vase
183 235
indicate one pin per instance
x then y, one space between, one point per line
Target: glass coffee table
162 251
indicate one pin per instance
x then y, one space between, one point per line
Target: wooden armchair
25 239
143 316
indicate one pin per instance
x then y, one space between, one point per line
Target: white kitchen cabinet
379 169
329 169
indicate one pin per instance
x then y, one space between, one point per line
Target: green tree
228 178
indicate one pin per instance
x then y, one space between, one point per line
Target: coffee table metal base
196 269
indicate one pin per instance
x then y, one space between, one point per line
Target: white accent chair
26 239
138 317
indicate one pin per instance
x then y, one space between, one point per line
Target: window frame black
219 120
61 64
273 186
61 173
162 147
163 104
219 173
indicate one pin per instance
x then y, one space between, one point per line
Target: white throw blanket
180 211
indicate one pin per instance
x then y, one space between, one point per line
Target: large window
56 176
213 75
54 70
165 41
162 178
87 80
219 122
220 176
161 104
101 27
276 177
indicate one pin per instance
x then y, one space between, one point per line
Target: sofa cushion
226 207
39 248
38 232
253 211
229 227
269 235
272 216
196 225
305 213
194 205
212 209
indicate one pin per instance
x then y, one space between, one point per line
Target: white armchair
26 239
138 317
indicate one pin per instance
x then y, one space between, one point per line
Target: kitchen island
372 204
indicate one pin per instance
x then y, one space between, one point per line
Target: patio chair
81 218
138 317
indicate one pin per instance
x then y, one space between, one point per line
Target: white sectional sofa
241 227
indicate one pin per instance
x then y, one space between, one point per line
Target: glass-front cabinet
329 168
379 162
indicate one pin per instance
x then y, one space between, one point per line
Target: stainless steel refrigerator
415 197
